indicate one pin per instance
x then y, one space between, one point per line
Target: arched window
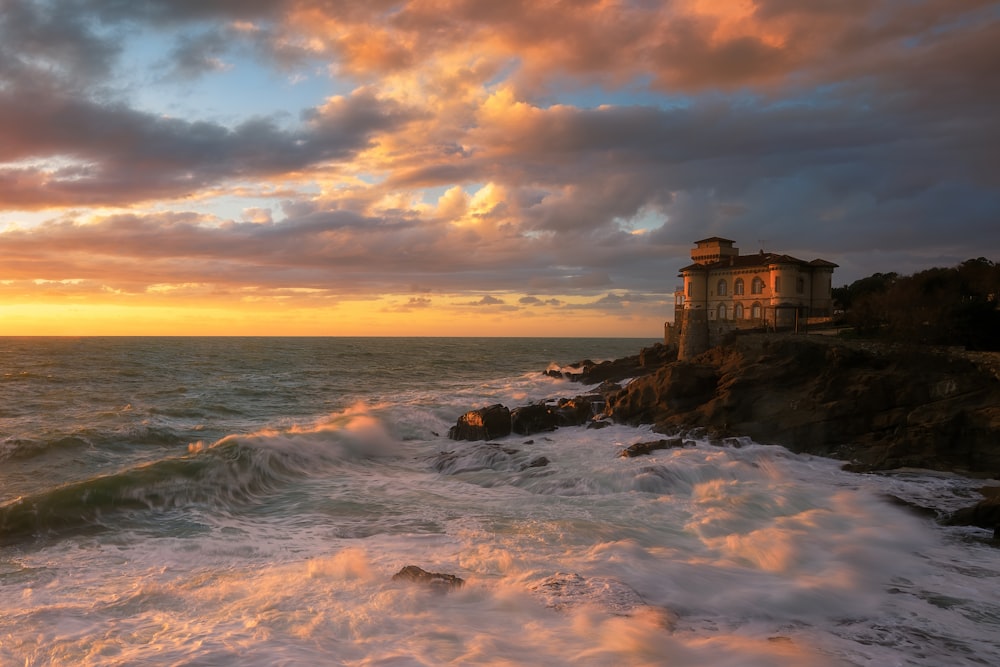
755 312
738 287
721 288
722 311
738 312
757 286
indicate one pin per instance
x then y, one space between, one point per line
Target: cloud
474 147
486 301
44 44
535 301
195 55
120 156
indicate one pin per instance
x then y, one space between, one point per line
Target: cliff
876 407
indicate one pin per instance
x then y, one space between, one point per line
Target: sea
247 501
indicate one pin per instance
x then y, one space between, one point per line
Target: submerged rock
645 448
479 456
984 514
565 590
437 580
538 462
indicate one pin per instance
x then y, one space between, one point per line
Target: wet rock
435 580
647 361
480 456
575 411
482 424
913 507
538 462
984 514
645 448
530 419
879 407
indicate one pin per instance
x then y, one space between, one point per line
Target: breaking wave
232 472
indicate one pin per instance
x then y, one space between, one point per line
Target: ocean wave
232 472
28 448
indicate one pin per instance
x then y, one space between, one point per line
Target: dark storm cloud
120 155
40 42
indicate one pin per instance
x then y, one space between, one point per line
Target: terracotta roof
762 259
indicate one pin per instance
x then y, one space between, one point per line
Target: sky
474 167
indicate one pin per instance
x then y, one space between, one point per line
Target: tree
939 306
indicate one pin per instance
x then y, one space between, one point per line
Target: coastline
879 408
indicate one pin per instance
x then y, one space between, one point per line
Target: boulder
480 456
530 419
647 361
483 424
984 514
537 462
645 448
435 580
576 411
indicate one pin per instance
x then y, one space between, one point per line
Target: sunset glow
468 167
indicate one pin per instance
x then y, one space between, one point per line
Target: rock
538 462
596 424
566 590
575 411
645 448
984 514
531 419
482 424
674 389
647 361
879 407
480 456
436 580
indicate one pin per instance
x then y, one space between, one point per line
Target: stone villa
725 291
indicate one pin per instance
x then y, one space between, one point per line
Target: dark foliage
953 306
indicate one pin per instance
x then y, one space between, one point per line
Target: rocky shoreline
876 407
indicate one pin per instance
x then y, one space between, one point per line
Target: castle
725 291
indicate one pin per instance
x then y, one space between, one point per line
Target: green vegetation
954 306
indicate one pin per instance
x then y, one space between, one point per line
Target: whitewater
247 501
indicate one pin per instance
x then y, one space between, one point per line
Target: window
777 284
738 311
738 287
755 311
721 288
722 311
800 285
757 286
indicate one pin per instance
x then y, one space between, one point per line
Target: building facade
725 291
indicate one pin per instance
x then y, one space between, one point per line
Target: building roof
761 259
714 238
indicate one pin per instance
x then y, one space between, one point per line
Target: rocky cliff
876 407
